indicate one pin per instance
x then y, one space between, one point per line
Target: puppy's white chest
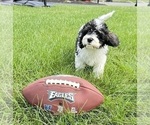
92 57
89 57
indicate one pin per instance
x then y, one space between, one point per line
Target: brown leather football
61 93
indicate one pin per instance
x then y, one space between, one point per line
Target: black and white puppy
92 44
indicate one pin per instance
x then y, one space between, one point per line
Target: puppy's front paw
98 75
79 66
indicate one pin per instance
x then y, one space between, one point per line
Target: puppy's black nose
90 40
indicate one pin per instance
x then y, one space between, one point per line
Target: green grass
143 79
44 44
6 66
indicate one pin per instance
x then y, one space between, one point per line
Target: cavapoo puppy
92 44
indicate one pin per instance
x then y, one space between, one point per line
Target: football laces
62 82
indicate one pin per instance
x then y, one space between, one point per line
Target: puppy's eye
90 31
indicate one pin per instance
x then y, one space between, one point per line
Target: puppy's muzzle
89 40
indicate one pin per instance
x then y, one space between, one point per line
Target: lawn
44 44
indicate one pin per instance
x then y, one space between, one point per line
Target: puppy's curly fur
92 44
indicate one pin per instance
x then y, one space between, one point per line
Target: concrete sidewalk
118 3
114 3
38 4
140 3
124 3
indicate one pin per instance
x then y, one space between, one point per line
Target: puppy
92 44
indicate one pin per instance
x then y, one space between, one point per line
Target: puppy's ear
82 32
98 21
112 40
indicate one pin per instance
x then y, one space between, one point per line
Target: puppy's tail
103 18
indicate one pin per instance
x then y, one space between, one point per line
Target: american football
61 93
